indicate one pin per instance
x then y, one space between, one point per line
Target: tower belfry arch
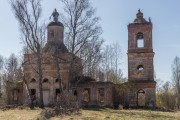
140 62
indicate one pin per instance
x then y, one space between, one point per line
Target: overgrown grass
110 114
15 114
94 114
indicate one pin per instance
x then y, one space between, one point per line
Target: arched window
45 80
140 40
33 80
51 33
139 35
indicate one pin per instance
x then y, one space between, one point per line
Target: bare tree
81 26
11 73
1 62
111 63
107 61
11 68
57 62
117 57
28 13
1 68
92 56
176 77
165 97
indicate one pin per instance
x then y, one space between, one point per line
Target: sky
115 16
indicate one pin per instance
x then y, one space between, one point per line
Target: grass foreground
96 114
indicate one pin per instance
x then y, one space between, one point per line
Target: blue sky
115 16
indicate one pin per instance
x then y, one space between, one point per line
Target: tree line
168 93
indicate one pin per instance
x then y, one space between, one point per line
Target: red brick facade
140 63
54 54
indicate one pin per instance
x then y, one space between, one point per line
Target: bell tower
140 61
140 51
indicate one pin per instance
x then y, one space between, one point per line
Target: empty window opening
57 92
141 98
57 80
101 95
140 40
33 94
33 80
86 95
45 80
140 43
33 91
15 95
140 67
75 93
52 33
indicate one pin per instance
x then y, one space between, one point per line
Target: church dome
55 24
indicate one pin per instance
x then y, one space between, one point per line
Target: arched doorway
141 98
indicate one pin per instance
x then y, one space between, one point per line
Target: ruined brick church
140 87
55 61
